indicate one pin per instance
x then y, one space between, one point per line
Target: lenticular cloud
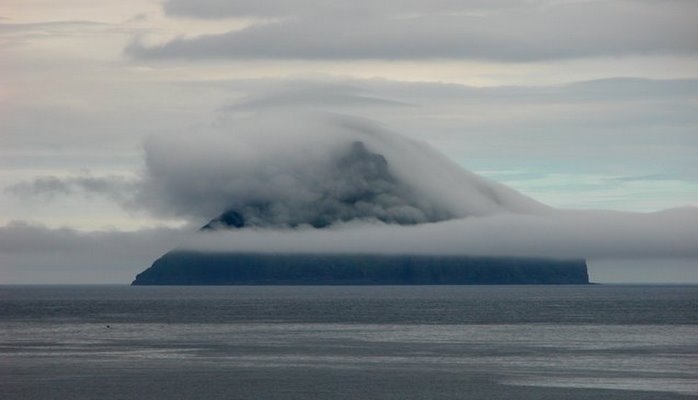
372 191
309 170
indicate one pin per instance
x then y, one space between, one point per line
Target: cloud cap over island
327 183
577 104
283 176
286 170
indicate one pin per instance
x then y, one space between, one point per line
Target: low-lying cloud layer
31 253
559 234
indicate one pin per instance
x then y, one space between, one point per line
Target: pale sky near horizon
580 104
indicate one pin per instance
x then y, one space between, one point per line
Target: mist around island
329 183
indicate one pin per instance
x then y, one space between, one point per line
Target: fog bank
559 234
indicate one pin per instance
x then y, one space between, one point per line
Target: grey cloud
570 123
277 170
652 177
438 93
522 33
31 253
218 162
635 88
14 33
284 162
591 121
24 237
595 235
670 270
138 18
299 94
266 9
117 188
49 25
592 113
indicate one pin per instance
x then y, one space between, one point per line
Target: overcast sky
578 104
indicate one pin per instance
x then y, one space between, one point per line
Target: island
358 185
181 267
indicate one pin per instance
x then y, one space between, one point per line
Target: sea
349 342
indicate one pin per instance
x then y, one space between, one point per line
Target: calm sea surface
425 342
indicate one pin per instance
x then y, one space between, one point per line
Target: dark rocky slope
194 268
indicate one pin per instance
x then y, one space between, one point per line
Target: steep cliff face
194 268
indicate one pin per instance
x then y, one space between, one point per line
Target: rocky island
360 185
196 268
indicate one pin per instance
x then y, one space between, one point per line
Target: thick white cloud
293 169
